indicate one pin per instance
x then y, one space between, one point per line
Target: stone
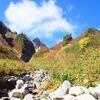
19 84
69 97
5 98
61 91
96 95
76 90
91 90
43 99
85 89
3 93
29 97
60 98
95 91
18 95
13 98
85 97
7 83
22 90
26 78
29 89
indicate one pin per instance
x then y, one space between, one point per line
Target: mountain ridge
9 41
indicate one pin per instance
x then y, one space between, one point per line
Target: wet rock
22 90
19 84
3 93
5 98
7 83
26 78
29 89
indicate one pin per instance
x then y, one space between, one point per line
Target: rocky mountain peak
39 46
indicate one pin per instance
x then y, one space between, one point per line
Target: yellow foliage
51 85
84 42
47 85
10 67
5 49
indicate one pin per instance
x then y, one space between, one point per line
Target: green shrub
84 42
66 39
68 76
10 67
11 53
21 39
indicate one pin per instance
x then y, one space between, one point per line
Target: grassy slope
78 62
10 67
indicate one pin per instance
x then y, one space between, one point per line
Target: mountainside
13 45
77 61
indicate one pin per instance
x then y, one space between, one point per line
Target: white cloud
37 20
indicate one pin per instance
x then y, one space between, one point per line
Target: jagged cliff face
39 46
9 40
24 46
7 35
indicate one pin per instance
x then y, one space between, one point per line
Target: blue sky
50 20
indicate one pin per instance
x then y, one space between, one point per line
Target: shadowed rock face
37 43
27 50
7 35
9 38
3 29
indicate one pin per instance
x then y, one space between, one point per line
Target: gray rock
69 97
85 97
19 84
96 95
29 89
95 91
76 90
29 97
85 89
61 91
13 98
18 95
91 90
22 90
5 98
60 98
3 93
